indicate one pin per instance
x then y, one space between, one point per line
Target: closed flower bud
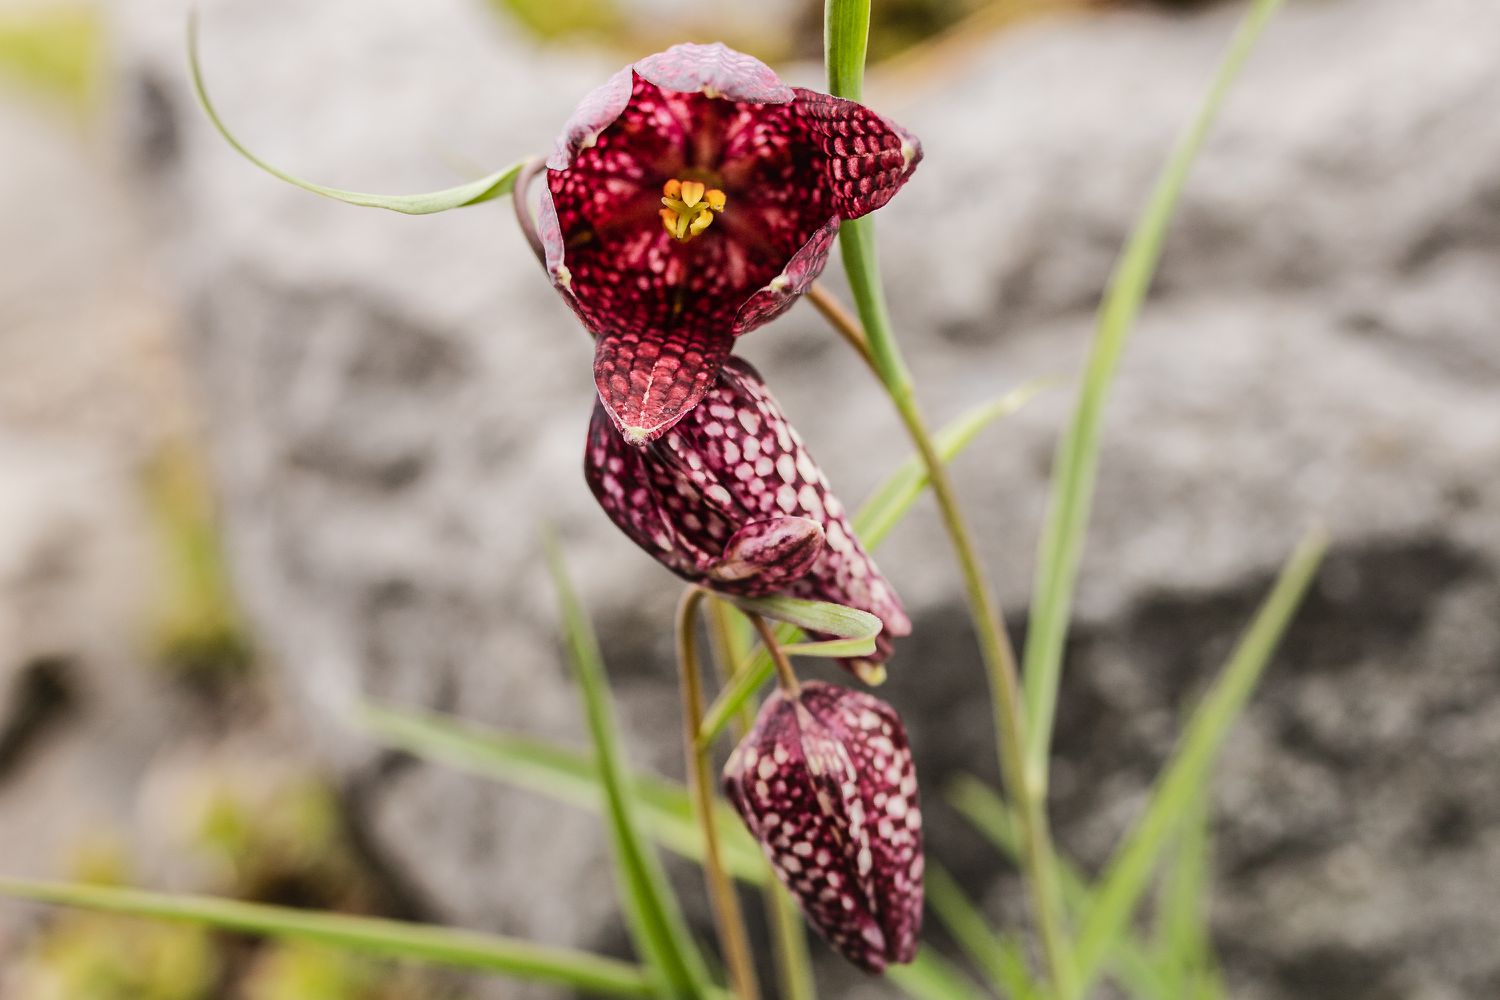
825 783
730 499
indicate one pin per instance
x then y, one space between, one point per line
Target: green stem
995 647
728 919
788 938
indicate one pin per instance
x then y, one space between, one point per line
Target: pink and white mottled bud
731 499
825 783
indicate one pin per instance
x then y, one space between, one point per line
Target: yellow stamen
689 207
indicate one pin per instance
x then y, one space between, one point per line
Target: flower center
690 207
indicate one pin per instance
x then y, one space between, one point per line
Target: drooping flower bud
729 498
824 781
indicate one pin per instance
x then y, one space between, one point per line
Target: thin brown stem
729 921
784 673
844 323
522 206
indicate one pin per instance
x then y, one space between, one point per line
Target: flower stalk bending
729 921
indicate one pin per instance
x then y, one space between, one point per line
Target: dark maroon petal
716 71
868 157
773 552
788 286
824 783
644 503
872 733
596 112
647 381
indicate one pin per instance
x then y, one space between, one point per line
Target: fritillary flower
693 197
729 498
824 781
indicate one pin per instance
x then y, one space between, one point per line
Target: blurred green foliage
276 835
554 19
198 628
55 52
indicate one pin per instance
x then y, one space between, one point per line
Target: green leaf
1186 773
933 977
815 616
565 775
1184 950
855 630
1076 465
889 504
1001 959
495 185
591 974
656 921
989 814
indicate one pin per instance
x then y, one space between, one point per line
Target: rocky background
388 408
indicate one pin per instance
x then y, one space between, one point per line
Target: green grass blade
1186 773
933 977
495 185
1076 464
888 505
590 974
565 775
656 921
988 813
1000 959
1183 949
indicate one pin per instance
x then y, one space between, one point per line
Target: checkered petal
824 782
790 163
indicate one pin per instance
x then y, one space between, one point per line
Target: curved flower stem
884 358
522 207
784 673
788 937
728 919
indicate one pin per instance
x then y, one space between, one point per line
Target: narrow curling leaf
564 775
813 616
1077 460
590 974
656 922
1129 871
487 188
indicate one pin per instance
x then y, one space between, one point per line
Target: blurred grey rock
397 404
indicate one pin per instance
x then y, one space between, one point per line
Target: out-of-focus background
264 456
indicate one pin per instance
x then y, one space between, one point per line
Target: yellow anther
689 207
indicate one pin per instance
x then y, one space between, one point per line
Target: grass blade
1125 880
999 959
656 921
591 974
568 776
933 977
495 185
988 813
1076 465
889 504
1183 948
